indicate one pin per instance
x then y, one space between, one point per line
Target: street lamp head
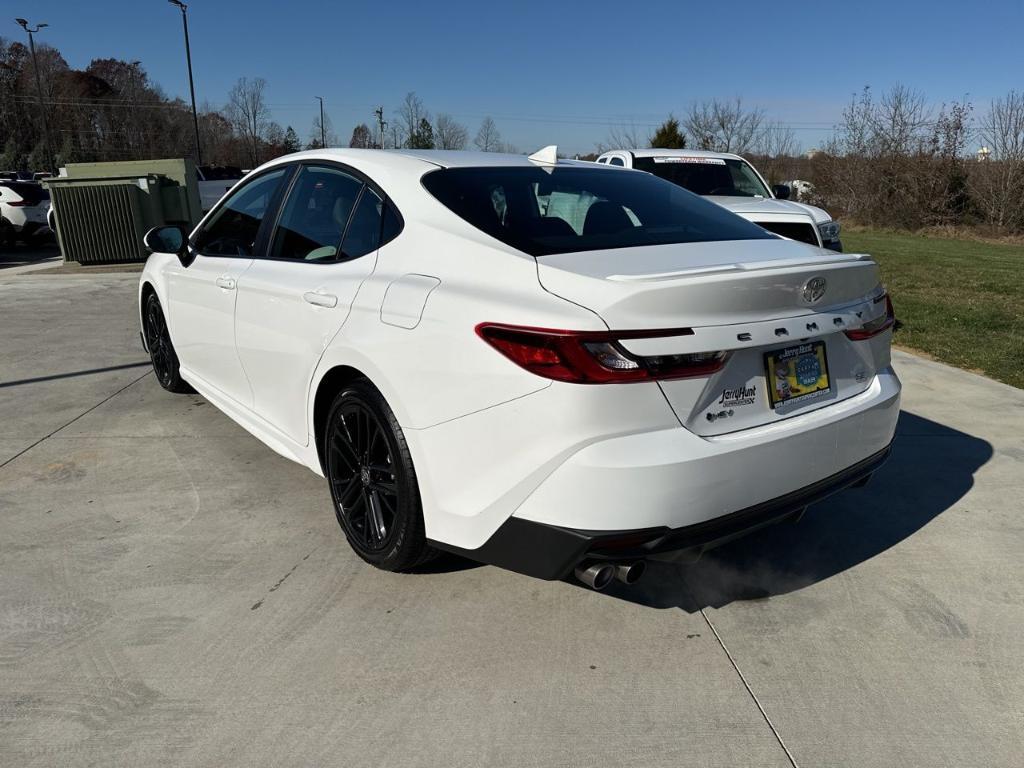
23 23
178 3
40 26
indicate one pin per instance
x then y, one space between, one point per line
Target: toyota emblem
814 290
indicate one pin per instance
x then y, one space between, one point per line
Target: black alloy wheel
161 350
372 480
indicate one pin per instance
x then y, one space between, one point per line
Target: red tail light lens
17 203
594 357
874 327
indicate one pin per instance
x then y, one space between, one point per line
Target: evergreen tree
668 135
361 137
291 141
423 136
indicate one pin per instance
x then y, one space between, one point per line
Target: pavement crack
750 690
83 413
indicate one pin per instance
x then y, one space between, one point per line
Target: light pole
381 123
191 84
39 88
323 129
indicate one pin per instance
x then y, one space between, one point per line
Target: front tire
161 350
373 481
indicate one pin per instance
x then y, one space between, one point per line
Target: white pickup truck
214 182
733 183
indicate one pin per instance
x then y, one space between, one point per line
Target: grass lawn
961 301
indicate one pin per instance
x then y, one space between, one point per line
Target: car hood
762 205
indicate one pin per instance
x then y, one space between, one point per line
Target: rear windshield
33 194
542 211
219 173
722 177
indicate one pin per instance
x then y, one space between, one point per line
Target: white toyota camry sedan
553 367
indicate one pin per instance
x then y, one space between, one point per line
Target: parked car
548 365
735 184
214 183
9 176
24 205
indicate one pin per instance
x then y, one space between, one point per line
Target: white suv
733 183
23 209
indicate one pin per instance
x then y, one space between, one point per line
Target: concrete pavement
174 593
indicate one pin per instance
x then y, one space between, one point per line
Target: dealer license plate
797 374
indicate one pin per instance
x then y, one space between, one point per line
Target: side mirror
168 239
781 191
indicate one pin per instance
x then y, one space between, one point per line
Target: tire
373 482
161 350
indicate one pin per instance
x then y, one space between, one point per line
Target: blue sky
552 72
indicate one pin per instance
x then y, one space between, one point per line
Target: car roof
680 153
409 159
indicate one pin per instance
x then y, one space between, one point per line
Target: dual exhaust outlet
598 575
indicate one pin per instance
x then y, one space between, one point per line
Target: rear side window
543 211
363 235
33 194
616 161
392 224
232 229
316 214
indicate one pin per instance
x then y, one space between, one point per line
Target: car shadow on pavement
931 468
23 255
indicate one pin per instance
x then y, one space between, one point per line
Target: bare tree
248 112
894 162
998 179
317 135
449 134
724 126
410 115
774 150
626 136
899 122
488 139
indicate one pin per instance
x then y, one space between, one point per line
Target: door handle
227 283
321 299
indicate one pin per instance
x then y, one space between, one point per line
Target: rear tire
372 480
161 350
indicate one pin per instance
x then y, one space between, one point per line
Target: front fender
153 275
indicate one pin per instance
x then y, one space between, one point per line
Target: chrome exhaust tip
630 573
595 575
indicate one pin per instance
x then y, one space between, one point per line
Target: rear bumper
30 228
667 489
550 551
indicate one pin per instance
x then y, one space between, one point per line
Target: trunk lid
748 298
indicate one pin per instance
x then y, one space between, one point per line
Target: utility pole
48 148
191 84
381 124
323 128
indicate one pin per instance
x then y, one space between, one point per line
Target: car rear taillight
17 203
594 357
874 327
